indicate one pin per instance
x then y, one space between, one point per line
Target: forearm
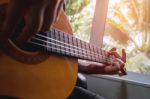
90 67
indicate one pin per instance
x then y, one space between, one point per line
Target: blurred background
127 26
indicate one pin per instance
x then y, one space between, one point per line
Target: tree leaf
117 33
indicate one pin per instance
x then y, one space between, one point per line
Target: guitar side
53 78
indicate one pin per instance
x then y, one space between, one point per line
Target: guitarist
40 15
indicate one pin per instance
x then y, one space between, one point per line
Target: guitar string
97 56
66 47
70 45
71 52
111 61
65 43
55 29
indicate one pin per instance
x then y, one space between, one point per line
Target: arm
90 67
39 16
99 68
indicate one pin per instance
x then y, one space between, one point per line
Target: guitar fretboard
56 41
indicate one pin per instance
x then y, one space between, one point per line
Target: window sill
132 78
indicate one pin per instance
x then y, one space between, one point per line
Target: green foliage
128 28
139 63
75 6
80 17
132 17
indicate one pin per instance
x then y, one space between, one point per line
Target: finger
116 69
50 15
114 53
124 55
113 49
12 17
122 70
34 21
111 70
121 63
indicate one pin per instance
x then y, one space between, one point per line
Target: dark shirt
81 93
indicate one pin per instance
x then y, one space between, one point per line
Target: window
80 14
127 26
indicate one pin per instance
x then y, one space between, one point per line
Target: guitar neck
55 41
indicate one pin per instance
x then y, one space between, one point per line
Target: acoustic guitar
45 67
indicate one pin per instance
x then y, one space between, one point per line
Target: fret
102 53
105 53
80 49
110 60
96 53
88 51
83 46
48 34
52 35
61 43
76 49
57 37
99 54
71 46
106 56
66 40
78 43
98 50
61 36
92 53
103 56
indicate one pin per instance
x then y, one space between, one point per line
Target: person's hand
118 63
99 68
39 16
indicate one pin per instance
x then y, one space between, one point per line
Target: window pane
128 26
80 13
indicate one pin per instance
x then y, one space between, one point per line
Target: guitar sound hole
26 46
29 47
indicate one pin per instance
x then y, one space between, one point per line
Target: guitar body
37 75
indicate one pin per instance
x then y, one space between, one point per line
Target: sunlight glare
113 2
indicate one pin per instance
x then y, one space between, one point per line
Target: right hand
39 16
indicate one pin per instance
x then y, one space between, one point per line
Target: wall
132 86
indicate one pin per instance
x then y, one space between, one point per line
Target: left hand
99 68
119 62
